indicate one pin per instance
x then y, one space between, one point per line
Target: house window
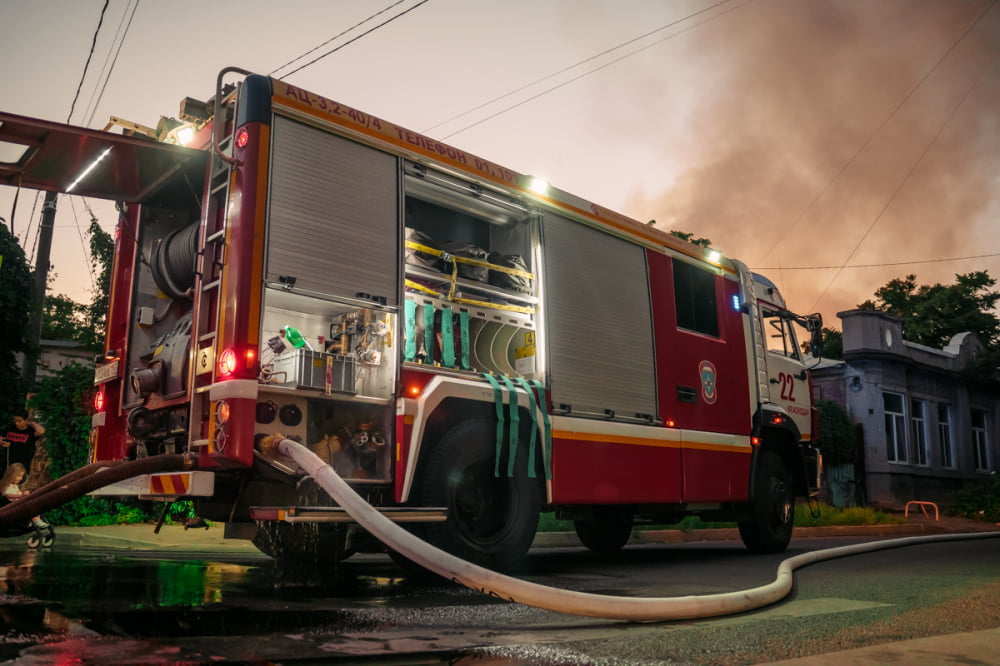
980 449
944 436
694 295
895 427
918 427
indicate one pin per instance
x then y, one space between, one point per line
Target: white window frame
980 441
895 430
946 446
918 428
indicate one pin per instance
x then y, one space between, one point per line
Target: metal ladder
207 296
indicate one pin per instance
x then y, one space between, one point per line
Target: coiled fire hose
641 609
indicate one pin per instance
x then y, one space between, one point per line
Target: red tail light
99 401
242 137
227 362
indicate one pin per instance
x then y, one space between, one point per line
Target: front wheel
491 520
772 516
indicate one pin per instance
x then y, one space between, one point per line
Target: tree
65 319
837 439
102 254
833 344
16 290
932 314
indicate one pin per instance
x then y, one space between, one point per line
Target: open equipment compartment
470 291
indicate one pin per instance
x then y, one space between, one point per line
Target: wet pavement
128 595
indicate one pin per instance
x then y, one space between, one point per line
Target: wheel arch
444 406
782 442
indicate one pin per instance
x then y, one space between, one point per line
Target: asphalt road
112 605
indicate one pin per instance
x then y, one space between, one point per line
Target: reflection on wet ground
55 603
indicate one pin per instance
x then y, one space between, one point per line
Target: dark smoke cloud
798 89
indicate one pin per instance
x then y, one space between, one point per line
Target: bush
980 499
63 406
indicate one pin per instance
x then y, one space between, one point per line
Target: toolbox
305 368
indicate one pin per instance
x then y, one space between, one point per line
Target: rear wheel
605 531
772 516
491 520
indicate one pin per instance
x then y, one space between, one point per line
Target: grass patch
828 515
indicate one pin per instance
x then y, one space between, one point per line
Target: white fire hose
637 609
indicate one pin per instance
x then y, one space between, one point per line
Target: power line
871 137
86 65
573 66
890 263
114 61
597 69
913 168
351 41
318 47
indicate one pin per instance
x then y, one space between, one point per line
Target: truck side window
694 297
780 338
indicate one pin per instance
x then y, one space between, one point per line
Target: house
925 430
57 354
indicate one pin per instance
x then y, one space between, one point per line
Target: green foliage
833 344
16 289
980 499
831 515
102 253
65 319
932 314
837 438
64 402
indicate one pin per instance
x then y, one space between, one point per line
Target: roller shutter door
597 311
332 214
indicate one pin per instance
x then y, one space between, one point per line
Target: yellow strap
419 287
495 306
468 260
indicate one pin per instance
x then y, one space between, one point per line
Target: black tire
302 543
606 531
491 521
34 540
772 514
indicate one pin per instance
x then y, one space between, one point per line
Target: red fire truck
465 345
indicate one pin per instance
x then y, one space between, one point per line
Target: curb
569 539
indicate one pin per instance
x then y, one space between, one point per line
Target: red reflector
99 401
242 137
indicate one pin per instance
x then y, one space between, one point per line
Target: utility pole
41 280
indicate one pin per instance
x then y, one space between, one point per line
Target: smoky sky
822 124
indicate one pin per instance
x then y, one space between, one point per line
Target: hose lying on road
87 479
567 601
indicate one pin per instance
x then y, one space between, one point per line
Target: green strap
498 398
544 402
409 330
534 425
463 326
429 333
515 421
447 339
